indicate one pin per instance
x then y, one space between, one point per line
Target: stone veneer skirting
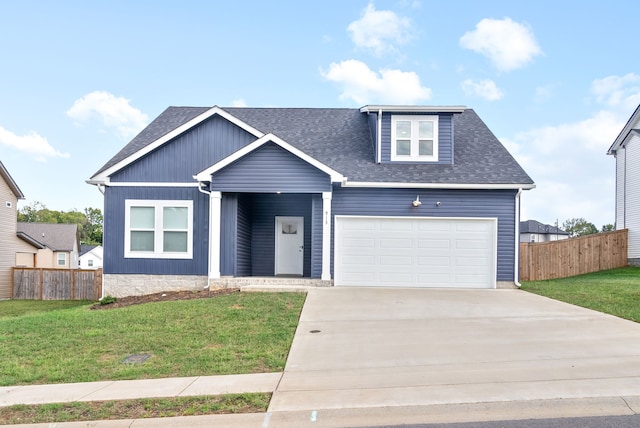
633 262
122 285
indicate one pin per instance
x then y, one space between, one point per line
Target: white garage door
415 252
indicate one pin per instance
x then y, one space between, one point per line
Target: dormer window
414 138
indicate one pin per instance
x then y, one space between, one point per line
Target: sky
555 81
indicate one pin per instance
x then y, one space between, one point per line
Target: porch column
326 236
215 203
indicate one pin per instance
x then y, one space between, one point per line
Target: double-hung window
158 229
62 259
414 138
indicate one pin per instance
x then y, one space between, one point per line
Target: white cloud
32 143
486 89
618 91
115 112
380 30
568 162
239 103
363 85
508 44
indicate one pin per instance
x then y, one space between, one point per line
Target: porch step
275 288
275 284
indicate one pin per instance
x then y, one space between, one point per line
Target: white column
215 203
326 236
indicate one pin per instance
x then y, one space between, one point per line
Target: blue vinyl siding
498 204
373 129
271 169
445 137
243 256
188 154
228 233
265 208
113 241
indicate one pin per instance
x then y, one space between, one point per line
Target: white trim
414 139
516 238
326 236
147 184
471 186
413 109
205 175
622 136
215 210
158 252
98 178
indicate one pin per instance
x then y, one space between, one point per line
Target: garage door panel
415 252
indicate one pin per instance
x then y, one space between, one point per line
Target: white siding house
626 150
90 257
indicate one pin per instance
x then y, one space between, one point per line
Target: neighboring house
534 231
90 257
408 196
59 244
626 150
12 248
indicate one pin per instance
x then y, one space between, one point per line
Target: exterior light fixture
438 204
417 202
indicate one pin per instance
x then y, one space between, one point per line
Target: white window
90 263
414 138
62 259
158 229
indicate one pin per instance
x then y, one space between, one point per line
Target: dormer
412 134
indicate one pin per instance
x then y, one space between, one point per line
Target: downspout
208 193
379 137
101 189
516 261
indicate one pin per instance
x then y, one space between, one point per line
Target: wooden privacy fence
575 256
56 284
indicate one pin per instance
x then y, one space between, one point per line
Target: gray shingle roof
58 237
533 226
341 139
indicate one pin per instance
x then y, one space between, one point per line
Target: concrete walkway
364 356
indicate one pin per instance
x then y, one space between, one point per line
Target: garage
415 252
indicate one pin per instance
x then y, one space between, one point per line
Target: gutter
516 259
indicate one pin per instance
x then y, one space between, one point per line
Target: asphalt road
632 421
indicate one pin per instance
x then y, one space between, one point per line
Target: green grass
615 291
229 334
135 409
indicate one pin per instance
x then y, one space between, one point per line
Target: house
407 196
12 248
534 231
90 257
59 244
626 150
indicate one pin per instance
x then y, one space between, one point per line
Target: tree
89 223
608 228
578 227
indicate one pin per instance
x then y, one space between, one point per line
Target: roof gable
170 124
58 237
10 182
632 124
269 138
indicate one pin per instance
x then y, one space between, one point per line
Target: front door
289 245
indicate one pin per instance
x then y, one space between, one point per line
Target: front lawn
228 334
615 291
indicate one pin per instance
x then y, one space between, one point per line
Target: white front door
289 245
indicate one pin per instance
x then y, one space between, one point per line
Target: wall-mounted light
438 204
417 202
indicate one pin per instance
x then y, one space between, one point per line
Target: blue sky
555 81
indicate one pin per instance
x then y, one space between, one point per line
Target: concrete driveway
372 347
